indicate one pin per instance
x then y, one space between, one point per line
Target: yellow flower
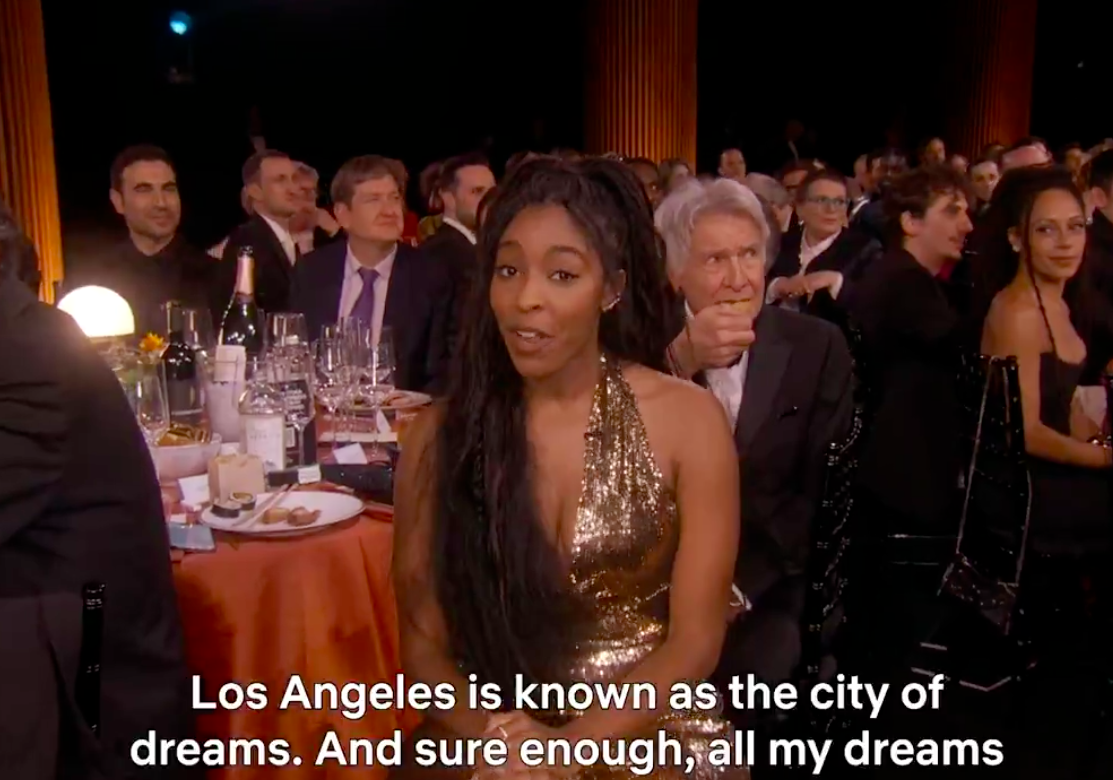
152 342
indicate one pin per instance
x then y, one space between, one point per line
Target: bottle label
229 364
264 435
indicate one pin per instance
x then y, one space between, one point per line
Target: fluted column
993 60
28 183
641 78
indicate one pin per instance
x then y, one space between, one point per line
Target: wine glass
286 329
377 382
146 393
294 374
332 385
197 330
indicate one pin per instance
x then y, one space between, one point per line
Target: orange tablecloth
320 606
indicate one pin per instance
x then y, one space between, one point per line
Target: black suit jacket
452 248
457 255
796 399
911 337
79 503
273 271
418 309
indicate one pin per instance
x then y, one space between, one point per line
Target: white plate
334 508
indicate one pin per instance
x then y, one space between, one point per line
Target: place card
351 455
308 475
178 519
195 490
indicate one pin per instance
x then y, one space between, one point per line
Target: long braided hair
497 576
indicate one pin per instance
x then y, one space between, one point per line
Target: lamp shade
99 312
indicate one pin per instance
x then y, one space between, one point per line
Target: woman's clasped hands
514 728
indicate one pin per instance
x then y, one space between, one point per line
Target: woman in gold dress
569 513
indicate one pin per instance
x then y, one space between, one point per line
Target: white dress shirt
353 287
808 253
727 383
469 235
284 238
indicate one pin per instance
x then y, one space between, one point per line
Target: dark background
422 79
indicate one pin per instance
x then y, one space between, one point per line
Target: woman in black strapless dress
1029 318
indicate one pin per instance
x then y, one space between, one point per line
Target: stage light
180 23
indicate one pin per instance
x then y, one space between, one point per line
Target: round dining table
319 605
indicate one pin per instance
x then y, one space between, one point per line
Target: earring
612 304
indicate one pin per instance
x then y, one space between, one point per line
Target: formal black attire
179 271
273 269
457 254
849 254
910 460
796 400
80 504
418 309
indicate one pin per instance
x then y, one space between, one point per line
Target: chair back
829 559
997 488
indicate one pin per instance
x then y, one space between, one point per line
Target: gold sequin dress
624 544
625 541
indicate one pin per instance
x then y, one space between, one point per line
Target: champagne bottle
242 325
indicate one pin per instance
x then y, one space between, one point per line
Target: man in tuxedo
461 186
269 180
784 380
374 278
79 504
462 183
154 264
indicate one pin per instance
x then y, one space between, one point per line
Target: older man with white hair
787 396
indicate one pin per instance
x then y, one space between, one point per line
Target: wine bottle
242 325
183 389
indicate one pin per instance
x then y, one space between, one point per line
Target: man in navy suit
372 277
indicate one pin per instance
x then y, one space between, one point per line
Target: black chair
824 615
993 534
87 690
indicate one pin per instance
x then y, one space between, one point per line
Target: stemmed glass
146 393
286 329
376 381
197 330
333 387
294 373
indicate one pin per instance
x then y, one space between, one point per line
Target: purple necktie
364 309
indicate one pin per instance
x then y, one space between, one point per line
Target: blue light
180 22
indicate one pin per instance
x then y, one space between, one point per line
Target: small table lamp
99 312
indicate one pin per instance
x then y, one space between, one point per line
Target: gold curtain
641 78
28 183
994 54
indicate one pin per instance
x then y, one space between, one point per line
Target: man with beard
462 183
154 264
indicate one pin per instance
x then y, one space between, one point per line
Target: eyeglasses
832 204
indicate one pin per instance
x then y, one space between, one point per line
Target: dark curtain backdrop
423 79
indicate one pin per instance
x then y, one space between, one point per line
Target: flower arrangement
151 348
